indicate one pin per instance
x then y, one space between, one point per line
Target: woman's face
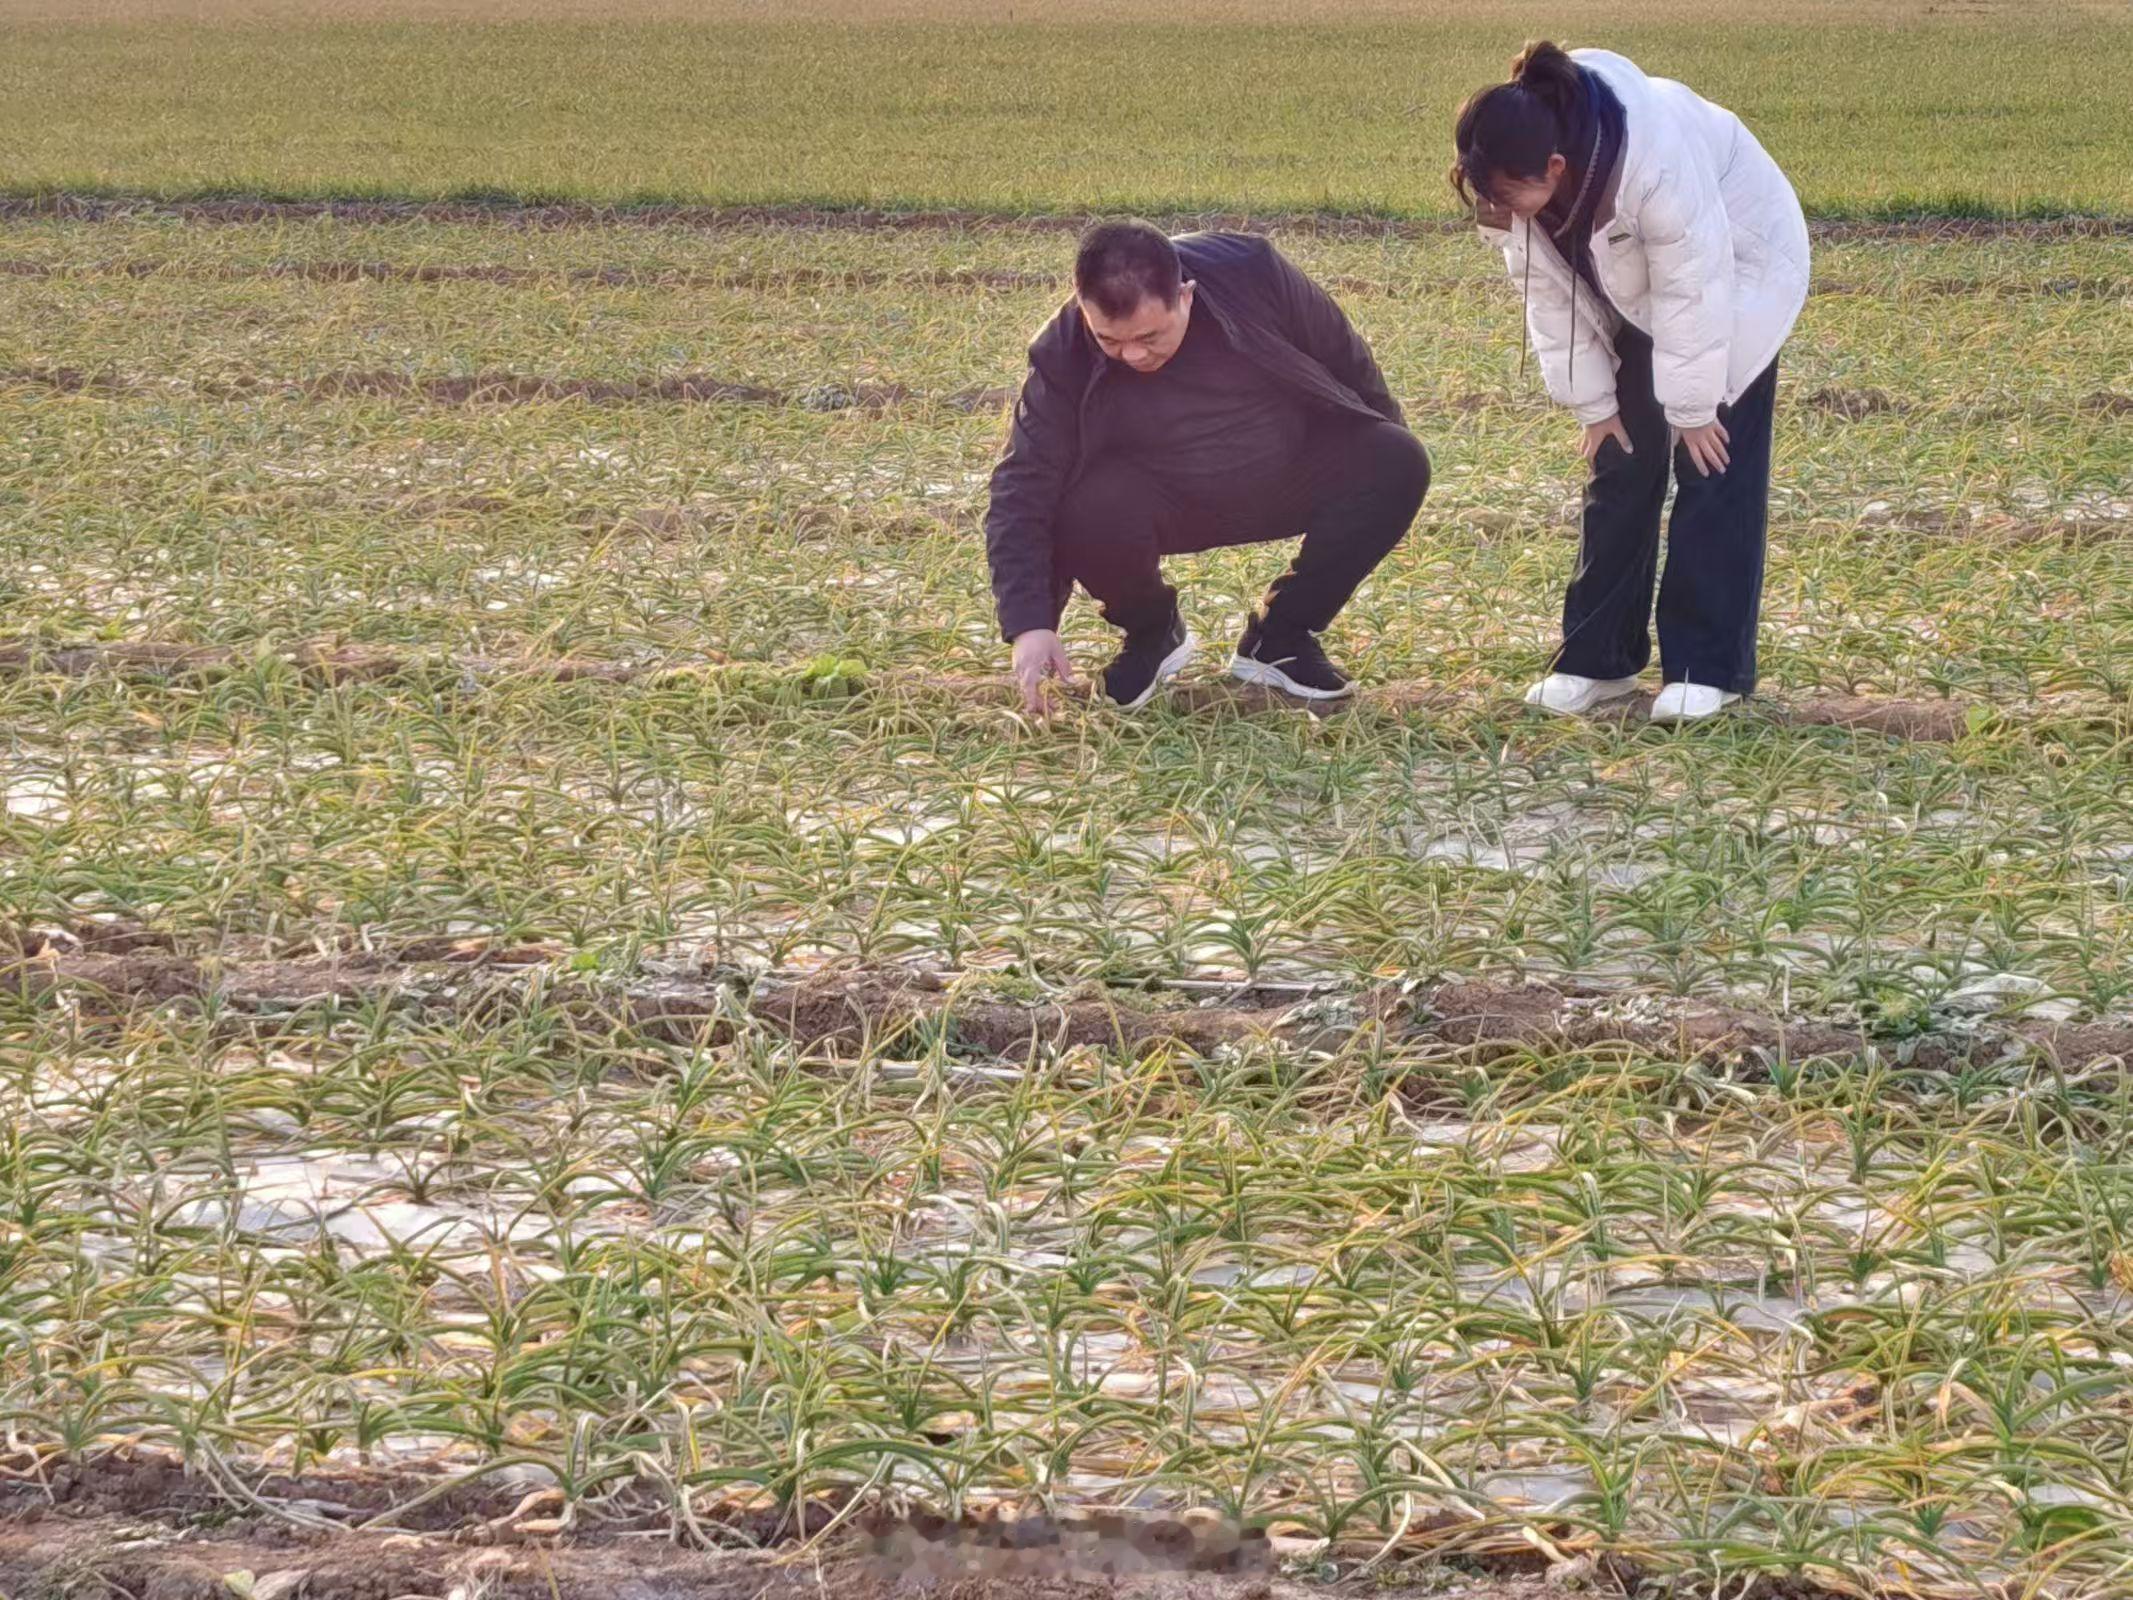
1525 197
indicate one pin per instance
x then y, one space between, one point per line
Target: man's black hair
1120 264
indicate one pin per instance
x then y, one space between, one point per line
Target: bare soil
1926 721
137 1523
110 1558
1489 1019
848 1009
1852 403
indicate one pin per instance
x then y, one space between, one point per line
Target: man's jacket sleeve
1026 489
1322 331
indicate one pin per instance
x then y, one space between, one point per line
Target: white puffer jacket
1706 252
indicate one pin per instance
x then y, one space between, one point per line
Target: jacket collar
1632 89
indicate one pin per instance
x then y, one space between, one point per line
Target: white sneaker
1690 702
1568 695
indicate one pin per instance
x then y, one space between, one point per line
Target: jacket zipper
1603 301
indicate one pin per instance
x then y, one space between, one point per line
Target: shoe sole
1626 692
1677 718
1247 670
1169 668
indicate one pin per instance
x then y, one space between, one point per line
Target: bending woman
1663 257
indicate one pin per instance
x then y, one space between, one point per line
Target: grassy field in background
427 1182
1985 107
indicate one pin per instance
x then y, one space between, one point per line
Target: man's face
1149 337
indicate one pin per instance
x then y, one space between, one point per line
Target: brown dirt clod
1853 403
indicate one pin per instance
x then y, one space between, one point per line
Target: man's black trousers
1353 491
1711 595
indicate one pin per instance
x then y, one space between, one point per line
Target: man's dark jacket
1267 311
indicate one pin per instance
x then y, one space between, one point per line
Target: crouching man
1196 392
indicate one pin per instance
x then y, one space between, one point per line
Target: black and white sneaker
1288 660
1148 660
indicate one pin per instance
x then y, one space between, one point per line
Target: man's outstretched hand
1039 654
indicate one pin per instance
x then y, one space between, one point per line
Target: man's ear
1557 166
1185 294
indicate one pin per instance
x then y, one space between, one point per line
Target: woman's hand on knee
1598 433
1707 447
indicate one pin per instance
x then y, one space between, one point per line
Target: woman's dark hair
1120 264
1511 129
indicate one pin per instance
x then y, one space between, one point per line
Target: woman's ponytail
1544 70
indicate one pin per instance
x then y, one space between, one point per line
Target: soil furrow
509 388
1453 1022
520 1507
1856 404
808 279
697 388
550 215
138 1520
323 663
1898 288
830 1012
766 278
